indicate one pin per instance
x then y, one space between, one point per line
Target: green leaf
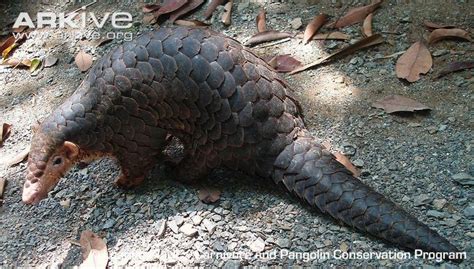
35 63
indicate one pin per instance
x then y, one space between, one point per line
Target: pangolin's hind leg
191 168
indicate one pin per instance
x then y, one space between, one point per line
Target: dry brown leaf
168 7
440 34
8 43
432 25
415 61
456 66
398 103
347 163
17 63
4 132
313 27
212 6
192 23
209 195
261 21
49 61
363 43
2 186
94 251
284 63
227 15
367 25
356 15
269 35
149 19
186 8
150 8
20 157
83 61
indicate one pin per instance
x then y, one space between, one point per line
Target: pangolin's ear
71 150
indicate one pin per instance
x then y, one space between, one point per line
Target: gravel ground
415 160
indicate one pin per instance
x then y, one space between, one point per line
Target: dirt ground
415 159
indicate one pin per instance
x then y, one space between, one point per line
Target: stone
232 264
464 179
283 242
109 224
422 199
188 230
435 213
296 23
209 225
172 225
257 245
469 211
243 5
196 219
439 203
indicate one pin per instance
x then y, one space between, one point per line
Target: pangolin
227 107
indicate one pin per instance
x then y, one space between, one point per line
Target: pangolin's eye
57 161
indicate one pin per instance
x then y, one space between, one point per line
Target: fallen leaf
8 50
212 6
168 7
456 66
2 186
328 36
20 157
356 15
367 25
94 251
227 15
4 132
150 8
20 29
17 63
35 63
261 21
186 8
415 61
209 195
284 63
398 103
83 61
269 35
192 23
432 25
49 61
347 163
8 43
149 19
440 34
361 44
313 27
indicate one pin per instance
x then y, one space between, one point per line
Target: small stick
274 43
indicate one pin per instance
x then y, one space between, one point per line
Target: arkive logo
119 20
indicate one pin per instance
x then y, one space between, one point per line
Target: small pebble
188 230
296 23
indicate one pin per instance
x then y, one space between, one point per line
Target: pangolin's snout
32 193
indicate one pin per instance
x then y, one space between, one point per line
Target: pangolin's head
48 161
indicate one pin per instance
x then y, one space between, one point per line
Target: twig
274 43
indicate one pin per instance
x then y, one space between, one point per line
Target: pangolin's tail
309 171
